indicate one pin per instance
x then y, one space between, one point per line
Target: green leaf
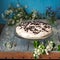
42 46
58 47
36 44
10 23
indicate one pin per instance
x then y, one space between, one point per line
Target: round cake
34 30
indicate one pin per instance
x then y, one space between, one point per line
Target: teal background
39 5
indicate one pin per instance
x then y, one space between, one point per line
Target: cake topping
35 26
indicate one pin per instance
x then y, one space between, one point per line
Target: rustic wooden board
27 55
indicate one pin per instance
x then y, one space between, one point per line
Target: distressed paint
39 5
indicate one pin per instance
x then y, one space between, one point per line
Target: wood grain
27 55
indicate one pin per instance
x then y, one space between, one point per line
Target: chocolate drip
44 29
45 26
31 25
48 26
36 32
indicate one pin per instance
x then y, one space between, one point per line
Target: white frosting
30 35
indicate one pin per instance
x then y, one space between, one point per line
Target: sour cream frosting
34 30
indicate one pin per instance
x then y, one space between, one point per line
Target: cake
34 30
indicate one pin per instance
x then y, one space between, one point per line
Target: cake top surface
35 26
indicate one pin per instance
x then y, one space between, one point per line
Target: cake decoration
33 29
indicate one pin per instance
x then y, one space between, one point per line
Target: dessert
34 30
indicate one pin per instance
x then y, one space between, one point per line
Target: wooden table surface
26 55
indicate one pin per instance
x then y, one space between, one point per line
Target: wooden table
26 55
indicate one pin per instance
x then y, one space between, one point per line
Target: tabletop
24 47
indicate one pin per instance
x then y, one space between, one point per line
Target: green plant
36 44
16 14
41 48
51 15
58 47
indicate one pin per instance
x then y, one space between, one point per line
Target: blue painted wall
39 5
